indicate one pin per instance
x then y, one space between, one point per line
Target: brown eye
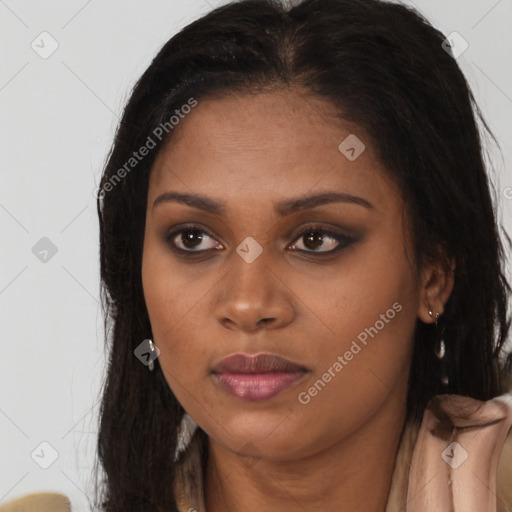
194 240
191 240
318 240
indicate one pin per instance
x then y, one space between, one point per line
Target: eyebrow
283 208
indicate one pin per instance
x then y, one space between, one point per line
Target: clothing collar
459 459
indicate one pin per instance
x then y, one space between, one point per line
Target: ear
437 281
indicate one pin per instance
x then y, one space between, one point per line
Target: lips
256 378
260 363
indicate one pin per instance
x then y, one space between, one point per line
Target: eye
189 239
194 239
316 238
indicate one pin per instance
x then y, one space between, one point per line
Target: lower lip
258 386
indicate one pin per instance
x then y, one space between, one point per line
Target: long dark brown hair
381 66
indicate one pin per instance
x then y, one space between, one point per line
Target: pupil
189 235
315 240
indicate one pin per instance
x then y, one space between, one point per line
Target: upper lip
259 363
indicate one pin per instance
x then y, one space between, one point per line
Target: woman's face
253 276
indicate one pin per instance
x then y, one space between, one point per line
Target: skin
280 454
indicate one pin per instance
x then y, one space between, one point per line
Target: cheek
365 364
169 292
173 300
371 292
370 308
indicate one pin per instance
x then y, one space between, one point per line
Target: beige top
458 460
38 502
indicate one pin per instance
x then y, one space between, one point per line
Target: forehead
248 147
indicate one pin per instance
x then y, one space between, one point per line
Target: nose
254 296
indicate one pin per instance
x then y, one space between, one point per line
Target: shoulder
461 444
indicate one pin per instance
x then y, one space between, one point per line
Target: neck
354 473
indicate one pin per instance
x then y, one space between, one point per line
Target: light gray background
58 117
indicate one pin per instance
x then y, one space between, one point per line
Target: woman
302 272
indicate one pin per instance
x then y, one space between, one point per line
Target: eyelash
342 240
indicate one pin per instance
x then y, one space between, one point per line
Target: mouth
256 378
